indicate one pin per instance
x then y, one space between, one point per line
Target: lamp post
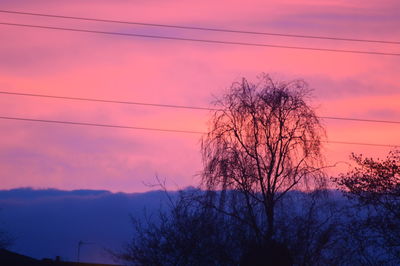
80 243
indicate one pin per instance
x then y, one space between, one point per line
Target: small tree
375 185
264 140
186 233
375 182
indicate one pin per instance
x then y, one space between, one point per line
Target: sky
112 67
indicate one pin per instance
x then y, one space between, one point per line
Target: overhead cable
160 129
202 28
199 40
175 106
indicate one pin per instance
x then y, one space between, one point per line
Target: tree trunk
270 222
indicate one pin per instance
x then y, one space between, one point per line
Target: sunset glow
126 68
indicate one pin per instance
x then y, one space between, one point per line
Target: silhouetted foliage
264 140
188 233
308 224
374 184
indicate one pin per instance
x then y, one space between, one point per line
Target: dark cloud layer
49 223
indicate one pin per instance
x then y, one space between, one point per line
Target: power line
158 129
202 28
361 119
99 125
200 40
361 143
176 106
107 101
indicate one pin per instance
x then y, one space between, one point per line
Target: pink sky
185 73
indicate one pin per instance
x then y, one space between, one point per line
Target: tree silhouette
375 185
264 140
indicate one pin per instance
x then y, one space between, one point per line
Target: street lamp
80 243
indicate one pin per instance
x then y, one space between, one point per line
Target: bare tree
264 140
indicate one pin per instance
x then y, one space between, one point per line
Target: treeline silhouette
320 227
263 147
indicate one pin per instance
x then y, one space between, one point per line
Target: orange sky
185 73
